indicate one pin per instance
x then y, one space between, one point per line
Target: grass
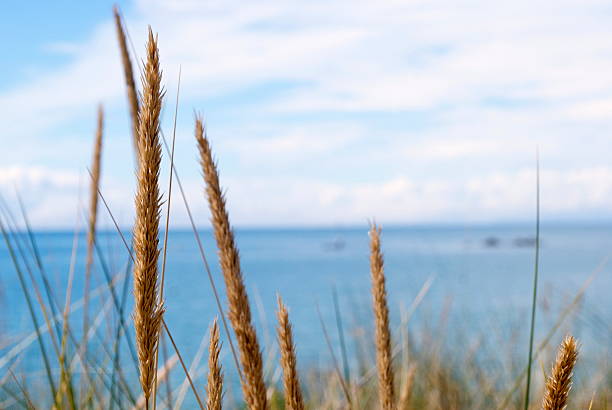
293 391
148 311
253 386
381 314
214 384
431 368
559 382
535 287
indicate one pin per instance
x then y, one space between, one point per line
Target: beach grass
427 368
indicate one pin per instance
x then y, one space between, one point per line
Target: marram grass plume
253 386
128 72
293 392
214 386
148 308
559 383
93 213
381 314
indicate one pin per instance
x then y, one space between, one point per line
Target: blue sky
323 113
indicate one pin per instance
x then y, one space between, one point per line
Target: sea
472 279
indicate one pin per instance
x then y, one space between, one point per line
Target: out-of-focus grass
434 366
450 370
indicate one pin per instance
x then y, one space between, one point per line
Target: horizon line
570 223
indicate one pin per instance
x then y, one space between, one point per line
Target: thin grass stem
535 285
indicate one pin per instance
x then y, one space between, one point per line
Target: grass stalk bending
253 386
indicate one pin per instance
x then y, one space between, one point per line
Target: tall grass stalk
130 84
381 314
343 383
214 385
193 367
213 286
180 357
253 385
65 377
119 305
340 328
123 35
93 217
148 308
18 247
167 225
33 317
569 308
120 331
163 323
461 383
535 284
32 246
28 401
291 382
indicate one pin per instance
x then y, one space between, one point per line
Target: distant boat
525 242
491 242
335 245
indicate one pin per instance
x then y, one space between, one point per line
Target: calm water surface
481 275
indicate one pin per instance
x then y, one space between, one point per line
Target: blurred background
424 115
324 113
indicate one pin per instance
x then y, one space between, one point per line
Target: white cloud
501 196
62 48
295 143
52 198
37 178
596 109
340 111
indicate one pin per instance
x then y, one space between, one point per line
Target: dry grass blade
178 354
163 323
293 392
406 389
343 383
504 402
93 213
214 386
559 383
204 260
381 313
64 376
129 78
23 391
193 370
253 385
148 308
167 226
164 349
30 305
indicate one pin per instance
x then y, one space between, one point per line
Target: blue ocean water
482 275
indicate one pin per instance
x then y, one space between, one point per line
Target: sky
321 113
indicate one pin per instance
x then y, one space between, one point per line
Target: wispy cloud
335 112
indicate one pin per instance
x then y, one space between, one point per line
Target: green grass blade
535 284
30 308
345 366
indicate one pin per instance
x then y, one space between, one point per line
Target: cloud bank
332 113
